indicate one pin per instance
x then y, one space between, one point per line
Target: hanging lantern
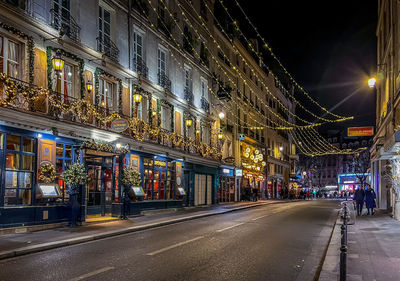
89 86
58 62
137 97
220 135
189 122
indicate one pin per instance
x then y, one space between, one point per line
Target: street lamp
220 135
58 62
137 97
372 82
189 122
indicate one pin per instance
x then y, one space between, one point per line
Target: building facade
384 152
111 84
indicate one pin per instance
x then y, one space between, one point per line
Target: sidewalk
12 245
373 250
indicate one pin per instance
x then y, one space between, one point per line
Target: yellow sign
360 131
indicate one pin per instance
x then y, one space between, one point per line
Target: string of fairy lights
226 57
319 139
266 46
221 67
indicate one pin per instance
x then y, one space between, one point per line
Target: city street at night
274 242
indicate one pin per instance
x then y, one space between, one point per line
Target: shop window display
63 162
19 170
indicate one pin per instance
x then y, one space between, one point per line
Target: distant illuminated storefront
350 181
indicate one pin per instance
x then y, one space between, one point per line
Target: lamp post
89 86
137 97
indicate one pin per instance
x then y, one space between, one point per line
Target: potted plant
130 178
74 177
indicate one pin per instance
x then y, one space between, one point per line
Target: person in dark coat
359 196
370 200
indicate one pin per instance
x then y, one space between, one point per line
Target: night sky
329 47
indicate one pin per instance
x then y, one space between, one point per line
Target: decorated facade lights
221 115
260 80
222 69
371 82
220 135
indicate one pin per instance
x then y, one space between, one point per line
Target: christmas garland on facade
47 173
84 110
81 64
30 45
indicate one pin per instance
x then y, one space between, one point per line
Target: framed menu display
138 190
181 191
49 190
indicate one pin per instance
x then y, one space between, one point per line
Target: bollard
343 246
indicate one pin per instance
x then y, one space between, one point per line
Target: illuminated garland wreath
47 173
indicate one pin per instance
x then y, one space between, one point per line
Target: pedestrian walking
308 195
359 196
370 200
255 193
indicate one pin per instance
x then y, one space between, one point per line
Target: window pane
27 162
1 140
10 197
59 150
59 166
27 145
25 180
68 151
25 196
13 142
11 179
67 164
12 161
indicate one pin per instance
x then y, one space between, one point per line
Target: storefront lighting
258 168
281 148
248 150
118 145
39 135
252 157
189 122
89 86
58 62
263 163
246 155
256 152
256 160
220 135
221 115
371 82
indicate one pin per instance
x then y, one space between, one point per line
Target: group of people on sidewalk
367 196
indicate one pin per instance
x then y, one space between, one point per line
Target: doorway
100 186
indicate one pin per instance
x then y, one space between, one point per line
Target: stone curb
83 239
331 261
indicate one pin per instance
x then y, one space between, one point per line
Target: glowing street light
372 82
221 115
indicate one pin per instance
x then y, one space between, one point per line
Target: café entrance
101 185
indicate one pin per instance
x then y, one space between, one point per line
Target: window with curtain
63 84
106 93
19 170
10 60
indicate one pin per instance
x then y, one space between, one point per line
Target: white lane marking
259 217
90 274
175 245
229 227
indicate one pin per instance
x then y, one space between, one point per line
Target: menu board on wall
135 161
138 191
47 151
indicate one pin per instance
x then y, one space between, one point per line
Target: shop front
227 188
350 182
31 186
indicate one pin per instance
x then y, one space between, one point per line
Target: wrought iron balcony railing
164 81
188 95
205 105
71 28
108 47
29 99
139 65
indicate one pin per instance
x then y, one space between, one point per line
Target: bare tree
359 164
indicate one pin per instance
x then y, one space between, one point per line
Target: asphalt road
274 242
